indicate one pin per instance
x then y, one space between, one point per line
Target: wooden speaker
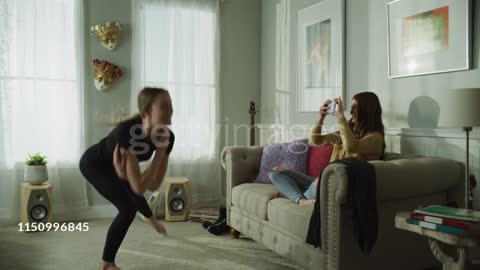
177 199
35 204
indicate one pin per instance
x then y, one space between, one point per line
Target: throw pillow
292 155
318 159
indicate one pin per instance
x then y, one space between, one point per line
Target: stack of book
203 214
455 221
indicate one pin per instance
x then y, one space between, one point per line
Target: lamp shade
460 108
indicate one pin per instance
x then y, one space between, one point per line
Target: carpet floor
187 246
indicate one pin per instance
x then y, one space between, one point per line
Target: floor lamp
461 109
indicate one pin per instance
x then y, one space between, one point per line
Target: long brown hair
146 97
144 103
369 118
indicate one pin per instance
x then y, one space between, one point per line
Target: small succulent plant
36 160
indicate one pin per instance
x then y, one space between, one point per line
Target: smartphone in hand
333 107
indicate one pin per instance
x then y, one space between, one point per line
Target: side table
458 242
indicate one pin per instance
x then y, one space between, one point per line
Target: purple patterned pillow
292 155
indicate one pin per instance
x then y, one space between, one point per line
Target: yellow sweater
345 144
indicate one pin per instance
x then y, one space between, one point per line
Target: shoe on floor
222 215
219 228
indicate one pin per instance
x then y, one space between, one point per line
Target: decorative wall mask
107 33
105 74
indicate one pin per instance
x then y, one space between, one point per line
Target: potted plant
36 170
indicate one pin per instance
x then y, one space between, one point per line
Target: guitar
252 111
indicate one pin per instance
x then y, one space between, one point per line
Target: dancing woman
112 166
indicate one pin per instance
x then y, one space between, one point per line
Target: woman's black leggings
120 194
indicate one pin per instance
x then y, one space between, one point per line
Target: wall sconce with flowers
107 33
105 74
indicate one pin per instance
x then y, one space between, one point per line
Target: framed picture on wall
426 37
320 54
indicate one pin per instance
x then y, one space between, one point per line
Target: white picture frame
321 50
428 37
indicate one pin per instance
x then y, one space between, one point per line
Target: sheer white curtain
176 46
41 99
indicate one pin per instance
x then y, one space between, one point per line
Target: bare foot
279 168
279 195
306 202
315 184
108 266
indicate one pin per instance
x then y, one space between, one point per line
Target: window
40 80
176 48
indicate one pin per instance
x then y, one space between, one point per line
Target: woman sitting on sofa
362 136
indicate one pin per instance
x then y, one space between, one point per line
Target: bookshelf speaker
177 199
35 203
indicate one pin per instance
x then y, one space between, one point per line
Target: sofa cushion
292 155
290 216
253 198
318 159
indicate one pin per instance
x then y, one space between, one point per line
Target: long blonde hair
144 103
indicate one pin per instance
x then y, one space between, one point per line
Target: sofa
404 182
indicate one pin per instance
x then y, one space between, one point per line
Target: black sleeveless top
129 135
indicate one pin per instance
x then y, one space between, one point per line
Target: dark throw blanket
362 198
